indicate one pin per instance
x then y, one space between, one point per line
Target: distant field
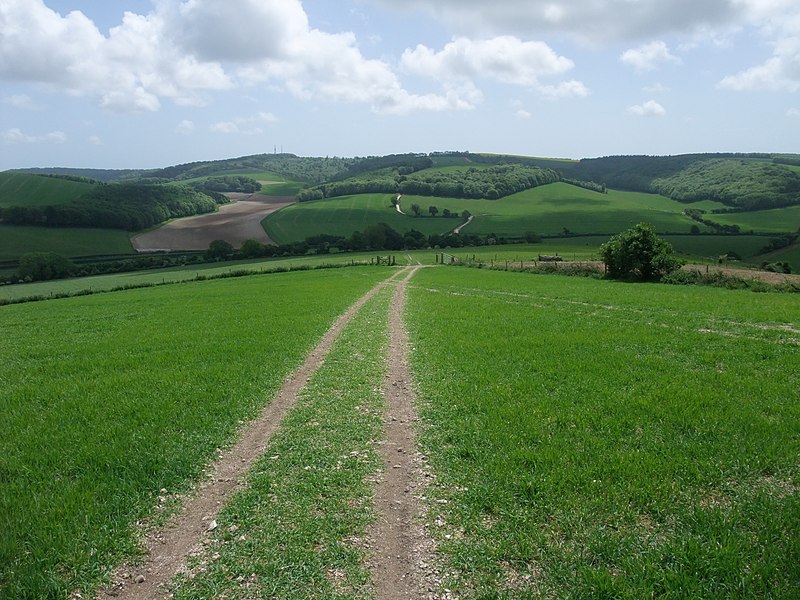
779 220
545 210
22 189
342 216
790 254
713 246
16 240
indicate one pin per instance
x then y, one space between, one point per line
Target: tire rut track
401 561
168 547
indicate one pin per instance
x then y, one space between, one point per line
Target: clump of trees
128 206
488 183
228 183
638 254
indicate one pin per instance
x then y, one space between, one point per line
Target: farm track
167 548
401 562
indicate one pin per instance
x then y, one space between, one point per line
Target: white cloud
17 136
95 140
21 101
244 125
523 114
793 112
781 72
185 49
655 88
648 56
185 127
505 59
651 108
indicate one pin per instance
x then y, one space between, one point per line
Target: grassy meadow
23 189
544 210
599 439
16 240
109 399
778 220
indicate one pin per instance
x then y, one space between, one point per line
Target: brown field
235 222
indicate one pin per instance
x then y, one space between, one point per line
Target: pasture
547 209
16 240
344 215
777 220
109 399
583 438
596 439
23 189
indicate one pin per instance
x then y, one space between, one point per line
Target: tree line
487 183
127 206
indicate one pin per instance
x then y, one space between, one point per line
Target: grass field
316 474
342 216
22 189
16 240
586 438
544 210
779 220
597 439
108 399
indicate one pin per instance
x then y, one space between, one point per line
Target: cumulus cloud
95 140
523 114
651 108
183 50
505 59
793 112
781 72
648 56
17 136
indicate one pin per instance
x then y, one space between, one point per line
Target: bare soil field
235 222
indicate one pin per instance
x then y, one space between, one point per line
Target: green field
22 189
601 440
585 438
778 220
16 240
108 399
342 216
545 210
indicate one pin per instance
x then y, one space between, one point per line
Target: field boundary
167 548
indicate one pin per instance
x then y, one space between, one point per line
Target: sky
152 83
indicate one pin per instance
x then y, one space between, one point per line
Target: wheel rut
401 561
167 548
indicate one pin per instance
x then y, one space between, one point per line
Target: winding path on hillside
235 222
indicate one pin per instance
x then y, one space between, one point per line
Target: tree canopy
638 253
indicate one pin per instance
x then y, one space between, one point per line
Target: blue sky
148 83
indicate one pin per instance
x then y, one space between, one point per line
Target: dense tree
638 253
219 249
40 266
415 208
433 210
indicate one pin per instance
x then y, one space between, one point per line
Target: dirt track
235 222
169 546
